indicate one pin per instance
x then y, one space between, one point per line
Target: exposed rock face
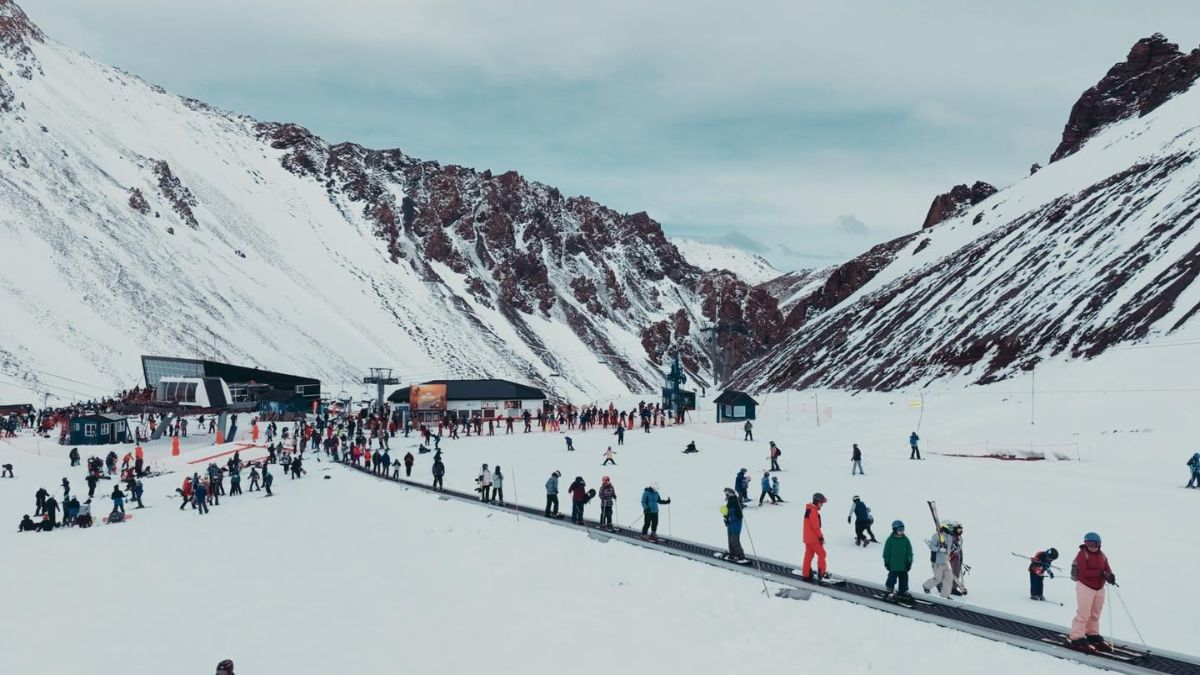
176 193
958 199
845 281
137 201
16 32
1153 71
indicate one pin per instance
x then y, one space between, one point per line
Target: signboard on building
489 405
427 397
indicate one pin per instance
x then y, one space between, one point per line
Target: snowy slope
710 256
418 585
134 221
1095 249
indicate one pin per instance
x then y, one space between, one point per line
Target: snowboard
828 581
721 555
910 601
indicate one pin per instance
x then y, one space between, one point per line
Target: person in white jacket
608 457
485 484
939 557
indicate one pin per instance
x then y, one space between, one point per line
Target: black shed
734 406
98 429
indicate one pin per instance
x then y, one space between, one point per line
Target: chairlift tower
380 377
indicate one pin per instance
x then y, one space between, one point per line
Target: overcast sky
806 131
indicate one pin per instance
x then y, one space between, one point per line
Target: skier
956 559
570 445
138 491
650 502
552 494
225 667
1090 571
773 455
814 539
268 479
408 464
439 472
913 438
201 500
608 456
254 479
185 493
741 484
748 428
856 461
485 484
766 489
27 525
118 500
862 522
620 434
579 497
939 558
732 512
775 489
498 485
66 486
608 495
898 560
74 456
1040 566
1194 465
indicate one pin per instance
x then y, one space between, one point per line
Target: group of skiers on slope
202 492
581 496
77 513
489 484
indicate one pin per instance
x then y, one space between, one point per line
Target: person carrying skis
1090 571
579 497
748 428
898 560
733 524
552 494
608 456
773 455
766 489
956 559
1194 465
856 461
485 484
814 539
608 495
939 558
913 439
1040 566
862 522
650 502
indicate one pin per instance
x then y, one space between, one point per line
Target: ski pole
669 520
1131 621
516 498
754 550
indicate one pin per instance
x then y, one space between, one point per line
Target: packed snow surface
709 256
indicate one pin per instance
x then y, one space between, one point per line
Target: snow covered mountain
1096 249
710 256
134 221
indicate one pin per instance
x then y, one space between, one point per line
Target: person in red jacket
814 539
186 493
1090 571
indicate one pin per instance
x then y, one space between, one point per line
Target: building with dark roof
734 406
244 384
469 398
98 429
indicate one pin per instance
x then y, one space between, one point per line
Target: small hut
735 406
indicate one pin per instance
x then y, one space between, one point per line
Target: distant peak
15 26
1152 72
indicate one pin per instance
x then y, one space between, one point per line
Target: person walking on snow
1194 465
650 501
856 461
1090 571
814 539
552 494
773 455
1040 566
749 429
608 495
939 558
862 522
608 456
766 489
898 560
733 524
913 439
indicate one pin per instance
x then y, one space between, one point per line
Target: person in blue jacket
913 439
766 489
1194 465
733 524
201 499
650 501
741 483
138 490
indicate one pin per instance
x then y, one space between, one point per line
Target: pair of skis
937 529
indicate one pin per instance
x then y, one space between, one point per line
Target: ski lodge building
489 399
201 383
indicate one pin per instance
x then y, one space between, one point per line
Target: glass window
739 411
89 430
75 426
103 429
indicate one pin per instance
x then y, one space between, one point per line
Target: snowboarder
898 560
856 461
1090 571
608 456
1194 465
27 525
439 472
939 559
225 667
773 455
766 489
118 500
650 502
748 428
913 439
814 539
485 484
691 447
732 512
1040 566
579 497
862 522
498 485
552 494
8 471
608 495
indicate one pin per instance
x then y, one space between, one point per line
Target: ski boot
1081 645
1099 644
1037 597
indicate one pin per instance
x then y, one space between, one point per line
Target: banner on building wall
489 405
427 397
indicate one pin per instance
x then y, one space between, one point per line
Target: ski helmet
654 486
854 498
1052 553
1092 536
819 498
897 525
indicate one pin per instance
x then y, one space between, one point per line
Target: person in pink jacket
1090 571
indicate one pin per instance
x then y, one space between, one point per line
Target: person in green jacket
898 560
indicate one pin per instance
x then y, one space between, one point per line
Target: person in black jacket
40 500
51 510
1039 567
27 524
862 522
